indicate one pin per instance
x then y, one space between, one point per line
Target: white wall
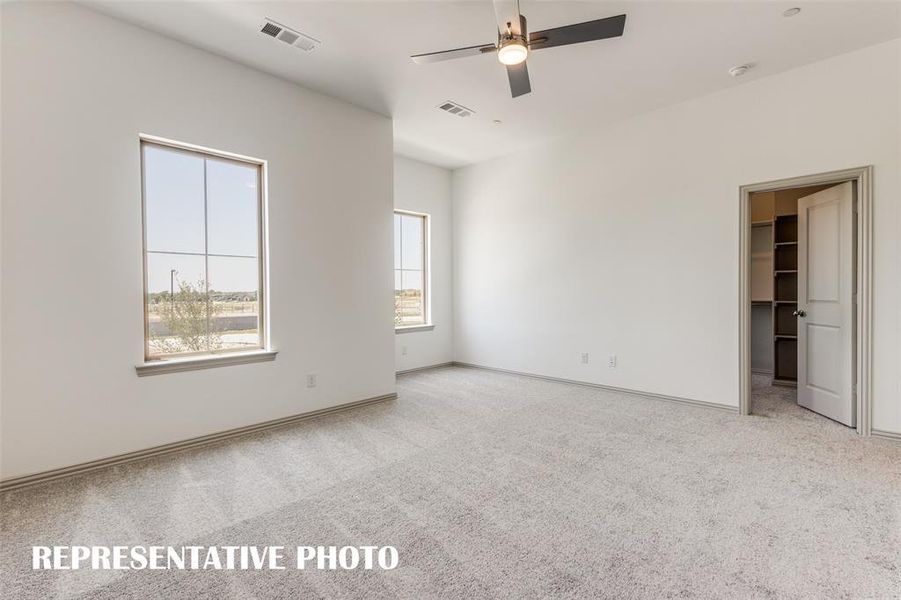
425 188
77 88
625 240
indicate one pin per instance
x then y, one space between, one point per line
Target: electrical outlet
584 358
311 380
611 361
403 350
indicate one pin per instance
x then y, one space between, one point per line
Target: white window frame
426 273
182 362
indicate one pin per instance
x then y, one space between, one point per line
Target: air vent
271 29
456 109
288 35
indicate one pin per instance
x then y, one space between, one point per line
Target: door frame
863 176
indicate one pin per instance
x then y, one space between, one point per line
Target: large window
411 233
203 268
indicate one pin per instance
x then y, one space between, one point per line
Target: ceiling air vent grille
271 29
289 36
456 109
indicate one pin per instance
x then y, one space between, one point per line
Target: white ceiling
671 51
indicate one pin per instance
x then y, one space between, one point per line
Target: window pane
396 241
173 197
409 269
232 208
176 304
411 241
161 278
234 291
197 208
411 298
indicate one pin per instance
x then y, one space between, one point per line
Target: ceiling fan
514 43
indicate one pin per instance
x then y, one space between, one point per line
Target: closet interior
774 282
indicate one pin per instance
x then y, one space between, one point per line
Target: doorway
805 294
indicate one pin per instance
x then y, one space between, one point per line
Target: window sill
177 365
412 328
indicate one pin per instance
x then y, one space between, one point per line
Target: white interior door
826 303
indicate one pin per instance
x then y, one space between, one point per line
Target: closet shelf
777 277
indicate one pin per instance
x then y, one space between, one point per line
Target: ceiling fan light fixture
512 52
515 44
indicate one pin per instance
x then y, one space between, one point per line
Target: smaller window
411 234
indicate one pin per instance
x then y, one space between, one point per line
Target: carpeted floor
499 486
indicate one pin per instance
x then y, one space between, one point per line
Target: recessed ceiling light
739 70
497 121
791 12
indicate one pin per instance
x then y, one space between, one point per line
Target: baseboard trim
12 483
609 388
425 368
763 371
889 435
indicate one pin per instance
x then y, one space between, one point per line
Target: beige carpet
499 486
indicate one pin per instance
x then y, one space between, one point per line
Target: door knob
799 313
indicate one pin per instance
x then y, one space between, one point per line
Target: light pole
172 273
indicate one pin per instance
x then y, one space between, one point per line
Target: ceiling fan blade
519 79
431 57
590 31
